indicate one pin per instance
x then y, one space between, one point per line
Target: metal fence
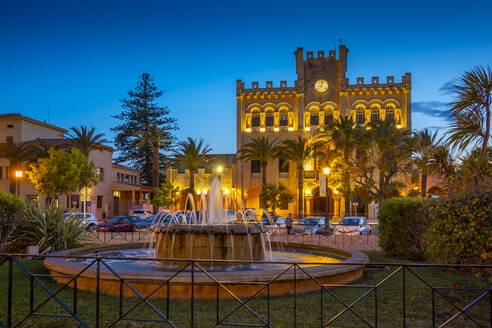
394 295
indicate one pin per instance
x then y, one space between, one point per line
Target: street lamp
220 169
18 176
326 171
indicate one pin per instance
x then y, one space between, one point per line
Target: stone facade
321 93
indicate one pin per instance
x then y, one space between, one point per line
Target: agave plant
48 229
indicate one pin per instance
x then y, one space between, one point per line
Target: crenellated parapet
269 91
376 87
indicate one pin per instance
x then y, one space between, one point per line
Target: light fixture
204 191
18 174
307 167
291 128
326 170
220 169
276 129
248 130
226 191
307 128
308 191
415 188
262 129
198 192
398 126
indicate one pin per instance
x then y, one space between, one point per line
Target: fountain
223 238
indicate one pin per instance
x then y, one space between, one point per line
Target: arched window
269 120
374 113
328 117
360 116
390 114
314 118
284 118
255 119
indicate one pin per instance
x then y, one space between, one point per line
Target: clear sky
69 62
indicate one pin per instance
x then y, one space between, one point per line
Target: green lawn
418 302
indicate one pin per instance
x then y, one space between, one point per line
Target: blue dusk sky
69 62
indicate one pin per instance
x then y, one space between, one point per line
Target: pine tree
140 109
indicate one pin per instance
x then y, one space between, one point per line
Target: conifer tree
140 110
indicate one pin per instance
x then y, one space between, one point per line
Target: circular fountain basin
146 274
217 242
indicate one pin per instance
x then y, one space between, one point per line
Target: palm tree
191 154
343 135
442 162
157 138
300 151
471 110
260 149
17 154
424 143
86 140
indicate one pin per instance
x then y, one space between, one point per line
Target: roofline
125 167
10 116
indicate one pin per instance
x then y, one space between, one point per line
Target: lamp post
326 171
18 176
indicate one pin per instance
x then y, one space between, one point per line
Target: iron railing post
192 291
434 309
403 298
121 299
295 295
321 307
217 304
167 300
9 306
376 307
268 304
31 295
98 273
75 297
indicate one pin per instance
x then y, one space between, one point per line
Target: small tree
11 208
272 196
62 173
165 196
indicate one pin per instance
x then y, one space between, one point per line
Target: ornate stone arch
253 107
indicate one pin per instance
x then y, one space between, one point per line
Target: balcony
309 175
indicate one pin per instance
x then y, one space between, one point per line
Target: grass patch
389 298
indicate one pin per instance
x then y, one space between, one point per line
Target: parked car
353 225
313 226
119 224
142 213
87 219
280 222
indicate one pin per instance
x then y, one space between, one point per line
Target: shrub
402 224
11 208
460 229
48 229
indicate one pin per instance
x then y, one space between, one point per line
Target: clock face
321 86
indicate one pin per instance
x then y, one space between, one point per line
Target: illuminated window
284 119
99 173
328 117
255 166
360 116
314 119
390 114
374 114
269 119
255 120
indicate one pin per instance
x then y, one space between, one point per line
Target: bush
460 229
402 225
48 229
11 208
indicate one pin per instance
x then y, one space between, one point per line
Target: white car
353 225
88 219
141 213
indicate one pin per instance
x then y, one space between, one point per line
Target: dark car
119 224
158 219
313 226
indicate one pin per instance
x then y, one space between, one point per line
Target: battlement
406 83
269 87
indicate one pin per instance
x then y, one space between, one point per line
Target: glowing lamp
220 169
308 192
18 174
198 192
204 191
248 130
262 129
291 128
415 188
326 170
307 167
307 128
398 126
276 129
226 191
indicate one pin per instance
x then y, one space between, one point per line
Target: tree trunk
381 188
264 173
300 191
346 181
155 166
423 185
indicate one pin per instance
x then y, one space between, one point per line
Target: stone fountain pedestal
217 242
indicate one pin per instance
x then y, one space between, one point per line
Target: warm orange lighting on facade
18 174
276 129
326 170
